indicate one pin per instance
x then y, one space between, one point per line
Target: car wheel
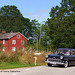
66 64
49 64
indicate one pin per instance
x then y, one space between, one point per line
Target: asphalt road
40 70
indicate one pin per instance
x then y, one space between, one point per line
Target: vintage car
62 56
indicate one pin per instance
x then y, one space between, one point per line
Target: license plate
47 59
53 62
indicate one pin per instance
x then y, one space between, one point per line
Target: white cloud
42 11
37 12
38 15
28 13
35 16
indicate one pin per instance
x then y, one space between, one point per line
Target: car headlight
46 56
61 57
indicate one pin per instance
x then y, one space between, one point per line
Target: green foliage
62 25
10 11
11 20
1 46
36 48
36 27
27 31
35 30
5 65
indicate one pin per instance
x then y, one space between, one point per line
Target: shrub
3 57
1 47
27 59
22 57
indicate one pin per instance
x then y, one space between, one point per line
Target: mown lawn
4 65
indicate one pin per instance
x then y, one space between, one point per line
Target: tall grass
22 57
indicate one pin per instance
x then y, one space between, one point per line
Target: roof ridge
10 35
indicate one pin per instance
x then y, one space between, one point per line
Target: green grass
12 65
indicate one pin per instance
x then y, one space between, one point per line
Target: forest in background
57 31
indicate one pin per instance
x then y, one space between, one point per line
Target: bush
22 57
27 59
3 57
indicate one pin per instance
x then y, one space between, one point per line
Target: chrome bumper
54 63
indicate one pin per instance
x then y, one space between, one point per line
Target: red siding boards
5 45
8 42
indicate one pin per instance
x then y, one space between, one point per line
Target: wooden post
35 60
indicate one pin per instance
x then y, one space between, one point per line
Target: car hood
56 56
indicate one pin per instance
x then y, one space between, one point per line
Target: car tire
49 64
66 64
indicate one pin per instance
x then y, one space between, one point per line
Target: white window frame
14 42
22 42
18 36
13 49
3 48
3 41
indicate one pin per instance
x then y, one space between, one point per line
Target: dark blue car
62 56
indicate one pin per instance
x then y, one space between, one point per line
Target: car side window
73 53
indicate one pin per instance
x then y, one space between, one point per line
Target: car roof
66 49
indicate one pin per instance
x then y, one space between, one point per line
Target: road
40 70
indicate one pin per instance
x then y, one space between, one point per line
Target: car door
72 58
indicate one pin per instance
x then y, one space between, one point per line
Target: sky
33 9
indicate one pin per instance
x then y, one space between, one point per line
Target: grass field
5 65
19 60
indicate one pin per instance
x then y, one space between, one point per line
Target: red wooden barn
12 41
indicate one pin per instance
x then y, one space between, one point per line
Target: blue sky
33 9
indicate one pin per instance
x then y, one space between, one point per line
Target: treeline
11 20
61 25
57 31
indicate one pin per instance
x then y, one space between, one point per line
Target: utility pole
40 31
40 35
37 42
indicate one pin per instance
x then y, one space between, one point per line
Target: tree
35 27
27 31
62 25
10 19
10 11
35 31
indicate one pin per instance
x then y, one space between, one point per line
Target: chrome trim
54 63
51 59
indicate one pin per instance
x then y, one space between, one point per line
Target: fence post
35 60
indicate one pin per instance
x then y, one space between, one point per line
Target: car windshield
63 52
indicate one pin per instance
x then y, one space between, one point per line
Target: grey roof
9 35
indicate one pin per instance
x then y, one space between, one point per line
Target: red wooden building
12 41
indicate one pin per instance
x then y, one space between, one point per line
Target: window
22 42
3 48
13 49
73 53
18 36
3 41
13 41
